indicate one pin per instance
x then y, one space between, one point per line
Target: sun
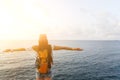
21 21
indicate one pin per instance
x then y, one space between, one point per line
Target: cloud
106 27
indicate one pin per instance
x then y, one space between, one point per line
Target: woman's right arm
66 48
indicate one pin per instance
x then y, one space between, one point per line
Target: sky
60 19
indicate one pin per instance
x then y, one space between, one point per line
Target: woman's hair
43 42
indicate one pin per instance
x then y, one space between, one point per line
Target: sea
99 60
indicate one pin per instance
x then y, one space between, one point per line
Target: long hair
43 42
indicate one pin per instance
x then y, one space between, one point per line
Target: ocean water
100 60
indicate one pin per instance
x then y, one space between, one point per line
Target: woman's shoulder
35 47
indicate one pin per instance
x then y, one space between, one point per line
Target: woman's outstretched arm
12 50
65 48
22 49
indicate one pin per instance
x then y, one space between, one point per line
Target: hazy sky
60 19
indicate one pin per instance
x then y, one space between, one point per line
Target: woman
44 58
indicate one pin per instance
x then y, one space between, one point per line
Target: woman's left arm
12 50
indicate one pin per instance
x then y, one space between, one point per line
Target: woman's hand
7 50
78 49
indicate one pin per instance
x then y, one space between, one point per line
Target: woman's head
43 42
